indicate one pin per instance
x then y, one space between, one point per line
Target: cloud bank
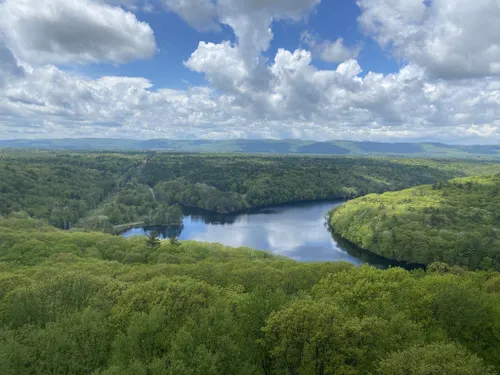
448 88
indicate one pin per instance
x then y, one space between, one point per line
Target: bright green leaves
217 311
41 303
316 337
455 223
435 359
75 344
300 338
146 337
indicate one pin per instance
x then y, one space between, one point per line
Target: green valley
76 300
103 191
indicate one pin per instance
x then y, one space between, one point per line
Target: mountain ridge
265 146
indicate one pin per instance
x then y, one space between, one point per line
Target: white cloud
221 63
330 51
248 95
125 82
225 68
73 31
300 102
240 69
200 14
451 38
251 21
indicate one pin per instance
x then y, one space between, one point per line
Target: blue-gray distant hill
261 146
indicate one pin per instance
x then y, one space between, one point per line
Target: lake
297 231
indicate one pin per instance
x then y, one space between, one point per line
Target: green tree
174 241
301 338
433 359
153 240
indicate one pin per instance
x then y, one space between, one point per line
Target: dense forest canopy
60 187
457 222
93 303
108 191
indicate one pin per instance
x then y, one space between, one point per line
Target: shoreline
367 252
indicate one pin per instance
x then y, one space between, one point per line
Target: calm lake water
298 231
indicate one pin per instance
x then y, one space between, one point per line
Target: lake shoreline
392 262
298 231
265 206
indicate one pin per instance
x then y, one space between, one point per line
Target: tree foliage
456 222
108 191
93 303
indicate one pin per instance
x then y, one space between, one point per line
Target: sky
378 70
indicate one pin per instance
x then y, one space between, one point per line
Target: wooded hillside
457 222
99 191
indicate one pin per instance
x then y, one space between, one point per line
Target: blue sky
330 20
399 70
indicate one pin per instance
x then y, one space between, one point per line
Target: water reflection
297 231
212 218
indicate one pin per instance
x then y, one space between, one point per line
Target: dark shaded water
298 231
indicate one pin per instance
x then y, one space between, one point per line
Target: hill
263 146
457 222
100 191
92 303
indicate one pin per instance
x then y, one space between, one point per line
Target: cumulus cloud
73 31
200 14
240 69
226 69
301 102
451 38
330 51
221 63
251 21
247 96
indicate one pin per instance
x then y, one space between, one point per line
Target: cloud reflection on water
297 231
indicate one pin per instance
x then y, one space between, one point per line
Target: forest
456 222
108 191
93 303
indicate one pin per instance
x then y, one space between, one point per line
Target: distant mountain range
262 146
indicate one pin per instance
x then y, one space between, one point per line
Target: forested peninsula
109 191
93 303
456 221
